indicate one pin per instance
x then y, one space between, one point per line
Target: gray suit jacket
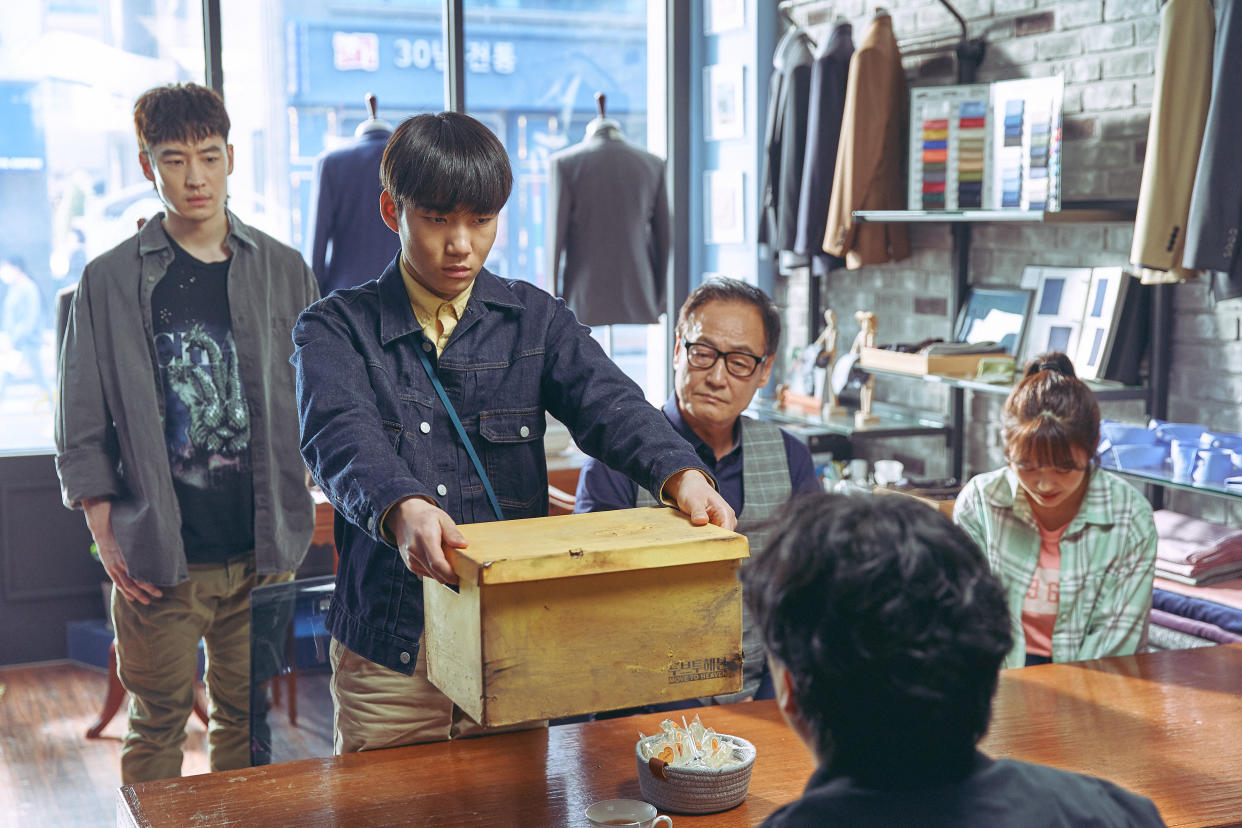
1212 231
608 223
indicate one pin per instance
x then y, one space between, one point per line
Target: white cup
888 472
630 812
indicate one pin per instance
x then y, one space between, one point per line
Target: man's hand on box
697 497
423 532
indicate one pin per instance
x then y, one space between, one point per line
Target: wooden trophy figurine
826 358
867 325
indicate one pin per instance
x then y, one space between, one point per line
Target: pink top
1039 609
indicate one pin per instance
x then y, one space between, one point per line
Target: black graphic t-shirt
206 419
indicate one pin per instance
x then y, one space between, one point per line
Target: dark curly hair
892 628
1049 414
179 112
446 162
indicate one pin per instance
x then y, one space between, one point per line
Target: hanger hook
601 101
372 105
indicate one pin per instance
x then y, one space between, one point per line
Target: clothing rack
969 50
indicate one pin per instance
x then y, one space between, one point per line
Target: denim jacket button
427 347
441 490
524 431
405 658
424 427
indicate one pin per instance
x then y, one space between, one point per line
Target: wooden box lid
561 546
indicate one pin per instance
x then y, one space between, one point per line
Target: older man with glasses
727 334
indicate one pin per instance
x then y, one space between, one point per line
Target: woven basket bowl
697 790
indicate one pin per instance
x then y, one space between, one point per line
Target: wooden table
1165 725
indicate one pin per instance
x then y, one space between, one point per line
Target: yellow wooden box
572 614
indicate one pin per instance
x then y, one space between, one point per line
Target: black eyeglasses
738 363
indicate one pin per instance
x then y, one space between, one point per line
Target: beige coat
1174 135
869 171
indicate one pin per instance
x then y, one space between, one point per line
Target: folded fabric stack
1196 552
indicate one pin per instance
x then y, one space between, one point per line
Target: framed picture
724 94
723 15
994 315
725 213
1056 316
1107 295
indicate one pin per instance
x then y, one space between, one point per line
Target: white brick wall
1105 49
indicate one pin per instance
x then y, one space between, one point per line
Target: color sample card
986 146
972 138
948 147
1026 132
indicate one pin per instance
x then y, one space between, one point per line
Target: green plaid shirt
1108 559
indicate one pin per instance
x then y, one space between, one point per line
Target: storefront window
70 183
531 69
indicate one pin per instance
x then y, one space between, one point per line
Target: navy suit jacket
823 134
346 215
1215 223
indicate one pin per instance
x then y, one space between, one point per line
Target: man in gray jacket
176 433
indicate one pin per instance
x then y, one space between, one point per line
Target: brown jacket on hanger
872 151
1174 135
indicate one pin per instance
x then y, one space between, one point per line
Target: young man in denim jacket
382 446
176 434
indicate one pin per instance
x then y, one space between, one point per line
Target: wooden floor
52 775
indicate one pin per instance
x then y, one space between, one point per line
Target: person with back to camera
378 368
1074 545
886 631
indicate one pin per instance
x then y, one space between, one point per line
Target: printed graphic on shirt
206 417
210 430
1044 593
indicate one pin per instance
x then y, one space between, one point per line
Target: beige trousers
157 659
374 707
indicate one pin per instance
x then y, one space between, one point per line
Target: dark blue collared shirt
601 488
374 432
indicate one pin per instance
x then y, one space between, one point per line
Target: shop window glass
70 183
296 76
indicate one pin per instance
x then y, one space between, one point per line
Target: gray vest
765 480
765 488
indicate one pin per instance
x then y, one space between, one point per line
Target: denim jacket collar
397 317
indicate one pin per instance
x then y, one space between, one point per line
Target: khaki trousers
157 659
374 707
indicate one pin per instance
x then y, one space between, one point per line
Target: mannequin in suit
608 226
351 243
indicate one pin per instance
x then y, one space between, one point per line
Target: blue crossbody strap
461 432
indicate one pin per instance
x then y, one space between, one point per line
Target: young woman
1074 545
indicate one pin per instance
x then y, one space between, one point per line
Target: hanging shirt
206 415
1039 610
